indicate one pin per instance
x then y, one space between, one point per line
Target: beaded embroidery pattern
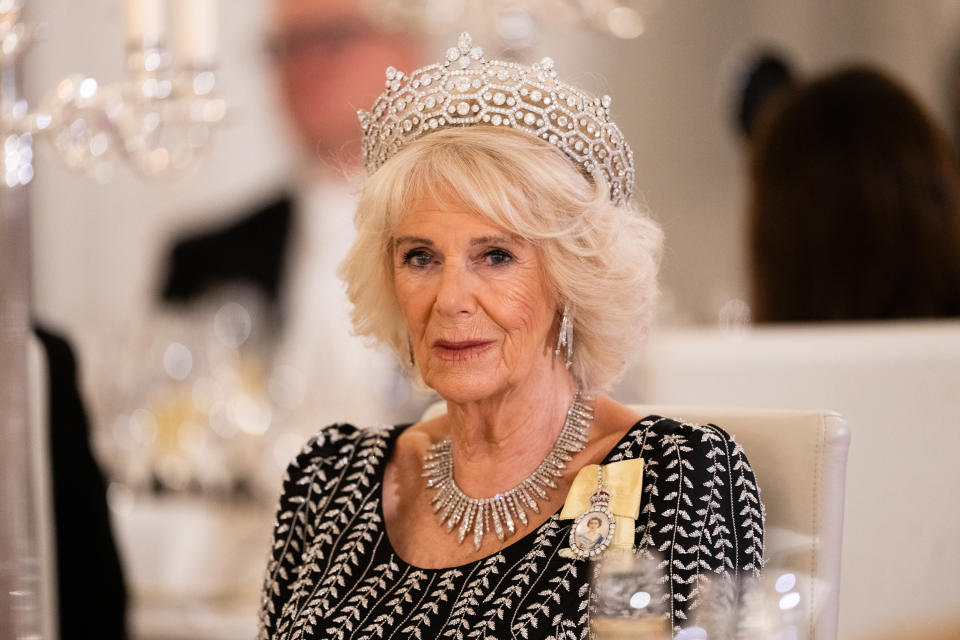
333 573
467 89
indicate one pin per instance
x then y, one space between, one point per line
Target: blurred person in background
328 60
91 593
247 351
768 74
854 205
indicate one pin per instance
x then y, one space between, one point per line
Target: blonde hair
601 259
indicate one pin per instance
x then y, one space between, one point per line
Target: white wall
97 247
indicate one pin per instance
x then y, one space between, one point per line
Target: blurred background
191 419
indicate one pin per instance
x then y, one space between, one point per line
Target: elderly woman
499 256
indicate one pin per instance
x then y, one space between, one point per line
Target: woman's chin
462 385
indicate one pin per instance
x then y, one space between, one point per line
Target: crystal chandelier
516 22
155 119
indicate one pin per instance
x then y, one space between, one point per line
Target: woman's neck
499 441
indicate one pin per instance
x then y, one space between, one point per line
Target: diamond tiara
467 89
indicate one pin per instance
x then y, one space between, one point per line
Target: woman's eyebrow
412 240
502 239
498 239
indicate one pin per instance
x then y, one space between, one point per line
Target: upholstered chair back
799 458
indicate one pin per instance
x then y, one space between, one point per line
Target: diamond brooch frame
468 89
599 509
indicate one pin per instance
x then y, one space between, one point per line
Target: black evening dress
332 572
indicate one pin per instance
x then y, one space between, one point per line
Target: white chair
799 458
897 384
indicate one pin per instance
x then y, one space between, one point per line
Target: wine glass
627 599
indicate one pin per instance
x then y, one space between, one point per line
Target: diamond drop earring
565 337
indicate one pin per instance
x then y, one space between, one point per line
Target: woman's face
476 300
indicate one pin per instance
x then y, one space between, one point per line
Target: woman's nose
455 294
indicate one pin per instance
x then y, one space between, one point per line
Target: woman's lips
460 349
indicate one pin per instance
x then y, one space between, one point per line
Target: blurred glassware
193 402
196 436
734 316
768 608
627 599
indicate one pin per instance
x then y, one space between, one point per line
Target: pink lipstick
460 349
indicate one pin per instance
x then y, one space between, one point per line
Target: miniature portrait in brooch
591 532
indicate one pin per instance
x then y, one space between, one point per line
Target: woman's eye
498 256
417 258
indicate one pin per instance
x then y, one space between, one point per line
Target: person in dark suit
91 594
327 58
250 249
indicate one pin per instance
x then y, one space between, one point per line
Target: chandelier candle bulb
145 23
196 41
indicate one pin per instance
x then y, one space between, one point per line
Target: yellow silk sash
624 481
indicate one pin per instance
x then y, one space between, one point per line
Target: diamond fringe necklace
501 512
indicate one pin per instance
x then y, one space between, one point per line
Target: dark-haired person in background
768 74
854 205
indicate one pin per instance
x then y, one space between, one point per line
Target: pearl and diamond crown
467 89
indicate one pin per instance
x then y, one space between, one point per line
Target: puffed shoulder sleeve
701 509
306 482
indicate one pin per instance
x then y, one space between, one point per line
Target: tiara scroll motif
467 89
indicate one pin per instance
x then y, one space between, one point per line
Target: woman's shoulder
698 485
335 444
654 434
